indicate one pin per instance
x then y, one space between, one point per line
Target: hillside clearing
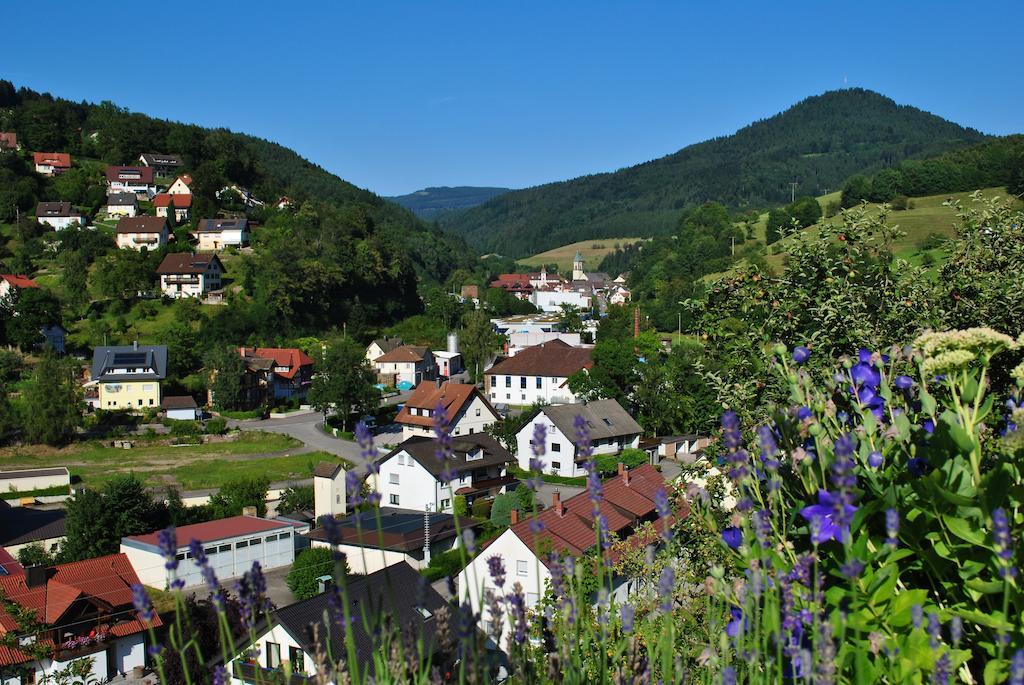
593 252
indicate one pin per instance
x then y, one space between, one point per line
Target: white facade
521 566
274 647
230 557
525 390
517 342
329 496
527 323
179 187
177 286
404 482
137 241
122 210
34 479
129 652
218 240
560 456
142 190
552 300
448 363
59 223
183 414
474 417
367 560
411 372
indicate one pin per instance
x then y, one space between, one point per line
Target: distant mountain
817 143
430 203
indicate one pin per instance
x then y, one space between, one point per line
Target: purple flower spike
167 541
220 675
892 527
353 488
666 586
627 618
1017 668
852 569
365 440
1003 543
142 604
661 503
443 438
496 567
584 450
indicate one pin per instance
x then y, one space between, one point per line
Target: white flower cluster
980 341
706 482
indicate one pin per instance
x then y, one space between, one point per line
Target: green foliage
227 373
52 402
218 426
444 565
430 203
344 382
801 214
234 495
819 143
97 520
36 309
34 554
478 342
295 499
501 509
311 564
608 464
481 509
459 505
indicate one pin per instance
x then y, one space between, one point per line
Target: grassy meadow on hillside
593 252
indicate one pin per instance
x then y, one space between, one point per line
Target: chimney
556 502
135 344
513 517
624 473
35 576
249 511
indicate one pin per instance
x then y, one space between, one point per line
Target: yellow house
128 376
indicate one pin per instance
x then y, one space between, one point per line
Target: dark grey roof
178 402
32 473
393 528
54 209
423 450
212 225
122 200
155 158
387 344
397 591
21 525
129 356
604 418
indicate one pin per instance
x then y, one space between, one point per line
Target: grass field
593 252
189 467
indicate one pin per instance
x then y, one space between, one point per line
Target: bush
900 203
183 428
459 505
310 565
502 508
482 509
444 565
609 463
216 426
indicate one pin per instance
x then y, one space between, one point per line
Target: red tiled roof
61 160
405 353
9 566
133 174
107 580
216 530
8 139
428 395
181 201
556 359
184 178
290 357
19 280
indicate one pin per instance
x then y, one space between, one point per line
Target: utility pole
792 192
679 327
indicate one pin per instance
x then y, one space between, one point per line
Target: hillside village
446 432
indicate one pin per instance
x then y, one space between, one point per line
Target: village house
231 544
84 611
290 633
21 526
619 294
182 205
51 163
10 284
284 203
381 346
406 367
282 373
183 274
466 409
129 376
181 408
131 179
517 342
217 234
25 480
412 477
518 285
537 374
611 431
449 363
527 323
567 528
181 185
122 204
685 448
389 536
138 232
162 165
9 141
554 300
58 215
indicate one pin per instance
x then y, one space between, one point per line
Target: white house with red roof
466 409
567 528
51 163
231 544
84 611
11 283
181 186
406 367
131 179
182 205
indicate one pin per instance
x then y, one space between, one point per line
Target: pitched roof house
22 526
216 234
406 366
85 609
59 215
182 205
131 179
275 373
181 185
122 204
291 633
411 475
137 232
129 376
568 528
536 374
611 430
51 163
164 165
381 346
184 274
9 141
11 283
466 409
517 284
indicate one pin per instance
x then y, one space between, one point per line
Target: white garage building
231 544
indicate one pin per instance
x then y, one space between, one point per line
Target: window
271 538
524 396
494 396
401 460
140 402
295 656
242 544
224 548
521 567
538 382
607 422
393 478
522 382
255 541
446 503
28 676
478 411
508 396
556 447
393 500
273 655
556 465
151 401
285 535
508 381
210 550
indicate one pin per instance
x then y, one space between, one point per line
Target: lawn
593 252
194 466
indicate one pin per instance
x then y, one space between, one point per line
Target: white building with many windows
536 374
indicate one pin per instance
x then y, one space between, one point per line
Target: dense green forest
431 203
818 144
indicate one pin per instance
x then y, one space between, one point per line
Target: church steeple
577 268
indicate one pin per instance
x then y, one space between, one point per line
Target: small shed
180 408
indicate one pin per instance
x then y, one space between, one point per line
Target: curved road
305 427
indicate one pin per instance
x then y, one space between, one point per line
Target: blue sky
395 96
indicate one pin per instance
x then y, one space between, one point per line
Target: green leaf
964 440
995 671
964 530
899 611
885 590
988 587
927 403
994 619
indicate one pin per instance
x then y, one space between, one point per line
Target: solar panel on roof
129 358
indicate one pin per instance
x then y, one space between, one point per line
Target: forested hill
818 143
218 157
431 203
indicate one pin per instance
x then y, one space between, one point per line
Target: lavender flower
469 540
536 525
943 670
167 542
443 438
1003 543
220 675
496 567
200 560
1017 668
494 622
627 613
728 676
736 456
956 631
142 604
666 586
934 630
366 449
602 531
892 527
916 615
517 611
763 528
661 503
539 447
584 450
826 670
353 489
852 568
595 491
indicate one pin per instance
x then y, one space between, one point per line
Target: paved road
306 428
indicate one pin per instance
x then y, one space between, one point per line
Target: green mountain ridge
817 143
431 203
